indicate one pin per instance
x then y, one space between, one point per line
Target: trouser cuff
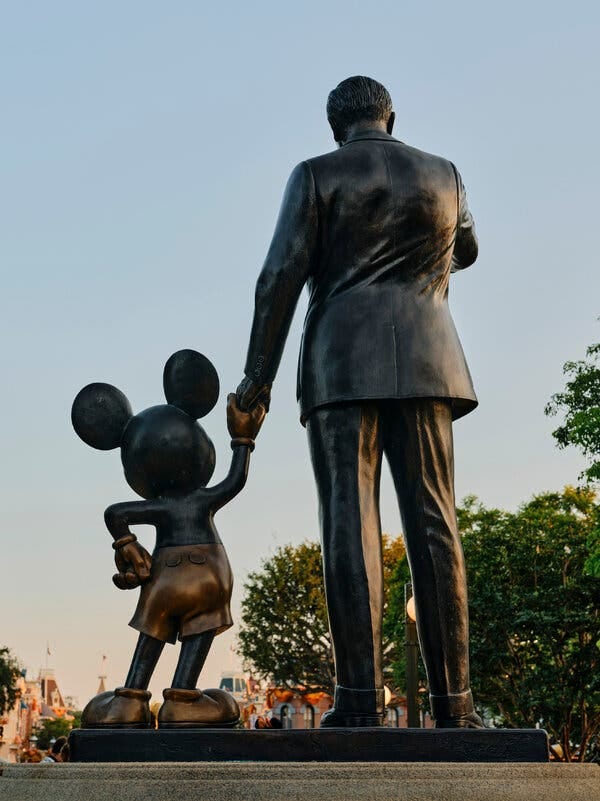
349 700
453 705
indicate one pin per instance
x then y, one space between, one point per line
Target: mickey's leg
194 651
128 706
146 655
186 706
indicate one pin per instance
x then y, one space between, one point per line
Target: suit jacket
374 229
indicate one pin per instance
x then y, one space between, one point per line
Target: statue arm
243 427
120 516
234 482
132 560
287 266
466 246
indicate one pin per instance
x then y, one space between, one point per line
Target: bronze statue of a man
374 229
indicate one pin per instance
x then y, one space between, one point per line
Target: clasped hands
246 411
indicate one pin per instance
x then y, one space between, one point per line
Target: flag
48 651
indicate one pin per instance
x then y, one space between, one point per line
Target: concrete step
314 781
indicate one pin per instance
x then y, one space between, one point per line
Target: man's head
358 100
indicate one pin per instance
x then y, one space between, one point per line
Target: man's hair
59 744
357 98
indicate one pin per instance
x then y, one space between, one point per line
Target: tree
394 631
580 404
284 634
10 671
535 615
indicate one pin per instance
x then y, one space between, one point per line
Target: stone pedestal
292 781
310 745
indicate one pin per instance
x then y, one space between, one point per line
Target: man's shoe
197 709
471 721
354 709
455 711
125 708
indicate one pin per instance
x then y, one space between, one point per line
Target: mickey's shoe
455 711
354 709
197 709
124 708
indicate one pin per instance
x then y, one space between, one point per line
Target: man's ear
390 122
337 134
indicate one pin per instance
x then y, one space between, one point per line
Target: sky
145 147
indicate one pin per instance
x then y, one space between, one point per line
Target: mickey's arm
243 427
132 560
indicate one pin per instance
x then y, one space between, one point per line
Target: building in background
301 707
38 700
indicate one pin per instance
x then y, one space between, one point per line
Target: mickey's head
163 449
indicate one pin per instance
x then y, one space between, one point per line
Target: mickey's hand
133 563
244 425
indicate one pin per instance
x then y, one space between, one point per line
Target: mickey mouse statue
186 585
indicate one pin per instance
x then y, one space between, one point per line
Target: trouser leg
419 447
346 457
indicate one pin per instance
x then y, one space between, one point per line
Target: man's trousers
347 442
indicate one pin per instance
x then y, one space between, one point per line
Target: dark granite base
313 745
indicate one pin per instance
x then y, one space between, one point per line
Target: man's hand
133 563
245 425
249 394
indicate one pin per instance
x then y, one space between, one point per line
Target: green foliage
10 670
535 615
284 634
592 563
51 730
580 405
394 631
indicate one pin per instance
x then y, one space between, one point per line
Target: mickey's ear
191 383
99 415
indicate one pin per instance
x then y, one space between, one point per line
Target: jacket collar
369 133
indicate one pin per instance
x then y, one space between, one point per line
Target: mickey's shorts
188 593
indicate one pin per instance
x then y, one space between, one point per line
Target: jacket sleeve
287 266
466 246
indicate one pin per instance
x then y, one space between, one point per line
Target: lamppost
411 645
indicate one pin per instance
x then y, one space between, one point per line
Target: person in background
54 754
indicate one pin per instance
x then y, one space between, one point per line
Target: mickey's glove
244 425
133 563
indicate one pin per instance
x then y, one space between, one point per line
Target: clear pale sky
145 147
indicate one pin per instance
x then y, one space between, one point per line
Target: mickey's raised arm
244 428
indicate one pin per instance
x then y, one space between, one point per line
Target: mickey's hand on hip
133 563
